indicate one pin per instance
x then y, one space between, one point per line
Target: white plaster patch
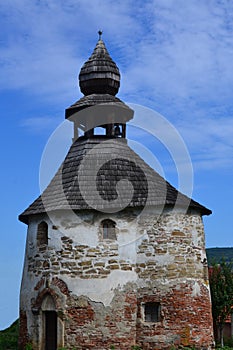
196 289
100 290
81 232
129 242
164 259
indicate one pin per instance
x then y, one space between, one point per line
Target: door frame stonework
49 305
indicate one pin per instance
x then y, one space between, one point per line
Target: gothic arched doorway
50 323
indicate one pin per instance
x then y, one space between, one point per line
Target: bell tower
99 81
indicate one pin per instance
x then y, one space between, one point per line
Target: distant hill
217 254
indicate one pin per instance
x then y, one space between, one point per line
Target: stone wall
99 286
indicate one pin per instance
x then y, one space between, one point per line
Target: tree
221 288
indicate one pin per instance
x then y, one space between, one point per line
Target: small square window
152 312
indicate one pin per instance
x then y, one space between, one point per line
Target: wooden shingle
115 161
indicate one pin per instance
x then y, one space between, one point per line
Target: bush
9 337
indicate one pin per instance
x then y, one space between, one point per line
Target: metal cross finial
100 32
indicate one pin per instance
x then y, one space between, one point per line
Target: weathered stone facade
99 286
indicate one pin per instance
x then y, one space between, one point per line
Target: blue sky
175 57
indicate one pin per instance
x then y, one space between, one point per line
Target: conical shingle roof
88 178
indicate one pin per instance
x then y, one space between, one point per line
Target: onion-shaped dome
99 74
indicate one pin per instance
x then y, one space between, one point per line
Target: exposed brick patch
23 330
61 285
186 319
79 316
93 326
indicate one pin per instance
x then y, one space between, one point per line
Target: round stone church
115 255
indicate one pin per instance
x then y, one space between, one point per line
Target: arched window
108 229
42 234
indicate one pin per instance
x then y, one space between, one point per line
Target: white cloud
210 142
175 56
45 43
179 48
187 53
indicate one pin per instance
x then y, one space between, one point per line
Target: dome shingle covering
99 74
99 81
74 181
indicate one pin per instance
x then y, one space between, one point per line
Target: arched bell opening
116 130
105 120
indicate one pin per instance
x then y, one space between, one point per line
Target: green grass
9 337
